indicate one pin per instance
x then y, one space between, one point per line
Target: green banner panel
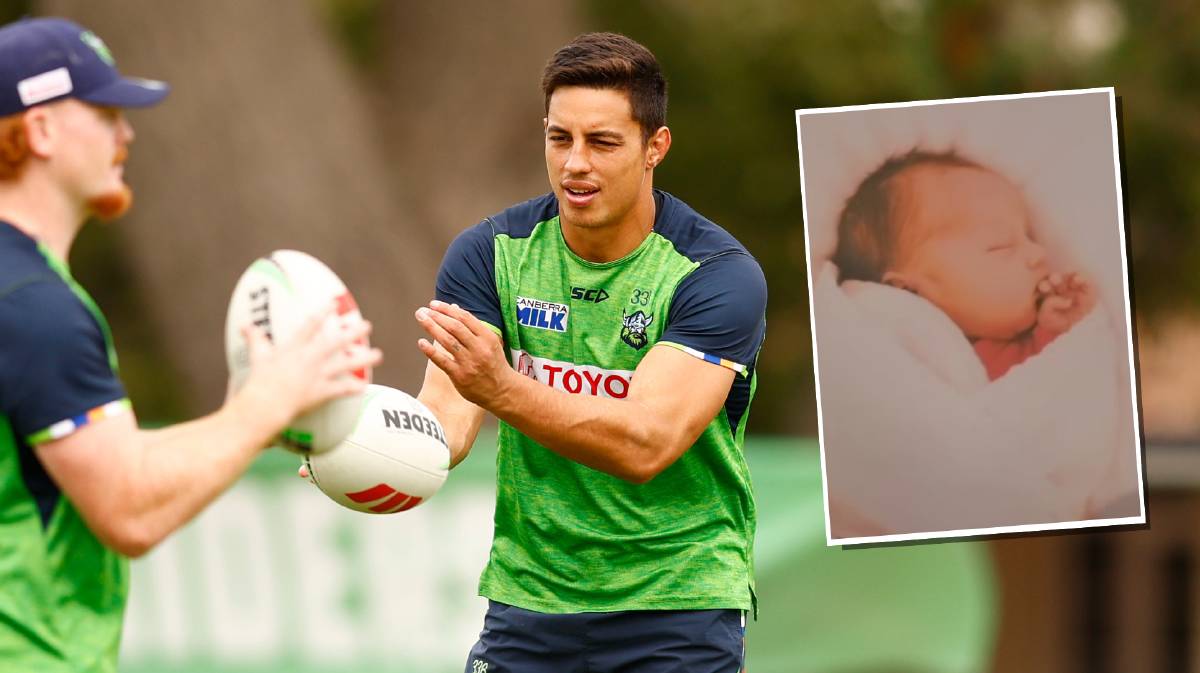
277 578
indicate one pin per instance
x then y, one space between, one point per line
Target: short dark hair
612 61
869 227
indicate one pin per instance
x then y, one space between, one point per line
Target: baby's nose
1036 255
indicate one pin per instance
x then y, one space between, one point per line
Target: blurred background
370 132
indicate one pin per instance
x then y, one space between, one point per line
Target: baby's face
972 253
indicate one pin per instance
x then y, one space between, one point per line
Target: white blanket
916 439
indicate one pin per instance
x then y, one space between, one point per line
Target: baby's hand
1066 299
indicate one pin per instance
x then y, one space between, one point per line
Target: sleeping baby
957 234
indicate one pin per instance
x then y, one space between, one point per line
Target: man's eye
558 138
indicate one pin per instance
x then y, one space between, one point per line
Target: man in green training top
81 487
614 332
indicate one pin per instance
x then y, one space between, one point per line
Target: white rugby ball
395 459
278 293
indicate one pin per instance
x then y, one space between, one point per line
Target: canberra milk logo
542 314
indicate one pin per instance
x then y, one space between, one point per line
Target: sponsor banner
572 378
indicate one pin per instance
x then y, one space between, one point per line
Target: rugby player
613 331
81 487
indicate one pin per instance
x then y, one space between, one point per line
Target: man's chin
574 218
588 217
111 205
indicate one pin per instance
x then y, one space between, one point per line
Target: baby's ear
898 280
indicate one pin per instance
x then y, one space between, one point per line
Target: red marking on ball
408 505
397 502
374 493
391 503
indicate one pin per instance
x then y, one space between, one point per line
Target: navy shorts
514 640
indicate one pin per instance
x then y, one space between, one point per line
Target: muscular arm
672 398
633 438
134 487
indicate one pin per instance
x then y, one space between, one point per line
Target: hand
466 350
312 367
1066 299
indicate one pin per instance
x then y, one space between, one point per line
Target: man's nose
578 161
126 130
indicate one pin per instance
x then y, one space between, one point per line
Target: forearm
459 418
133 487
460 425
621 437
173 473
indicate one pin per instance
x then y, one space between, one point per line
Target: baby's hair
869 227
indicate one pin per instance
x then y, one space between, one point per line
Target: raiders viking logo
633 330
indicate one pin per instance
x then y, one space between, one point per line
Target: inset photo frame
970 304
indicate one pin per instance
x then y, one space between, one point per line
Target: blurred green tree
738 70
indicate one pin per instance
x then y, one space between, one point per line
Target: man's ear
657 147
39 133
900 281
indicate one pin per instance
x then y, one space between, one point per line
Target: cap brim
128 92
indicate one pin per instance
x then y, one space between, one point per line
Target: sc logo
595 296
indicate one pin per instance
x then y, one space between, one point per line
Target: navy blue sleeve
467 276
720 309
54 362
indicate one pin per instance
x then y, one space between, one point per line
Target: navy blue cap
45 59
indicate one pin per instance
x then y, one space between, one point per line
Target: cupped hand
466 349
316 364
1065 300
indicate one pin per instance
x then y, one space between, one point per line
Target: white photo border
1133 372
